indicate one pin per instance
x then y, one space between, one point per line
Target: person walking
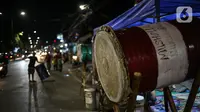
31 66
55 62
48 61
60 61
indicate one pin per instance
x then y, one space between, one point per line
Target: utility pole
12 29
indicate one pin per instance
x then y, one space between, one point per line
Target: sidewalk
76 72
65 91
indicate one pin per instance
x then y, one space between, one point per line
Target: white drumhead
110 64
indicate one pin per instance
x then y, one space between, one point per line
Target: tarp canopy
144 12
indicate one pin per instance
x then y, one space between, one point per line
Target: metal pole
166 102
167 93
157 3
193 93
1 39
12 29
2 26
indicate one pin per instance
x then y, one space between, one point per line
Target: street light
12 21
34 31
83 7
38 37
21 33
23 13
29 38
1 13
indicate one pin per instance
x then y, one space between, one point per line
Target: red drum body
165 53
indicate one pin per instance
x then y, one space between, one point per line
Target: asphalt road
18 95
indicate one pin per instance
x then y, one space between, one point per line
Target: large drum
84 52
165 53
42 71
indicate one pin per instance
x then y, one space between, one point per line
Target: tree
18 41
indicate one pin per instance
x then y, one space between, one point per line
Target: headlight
1 68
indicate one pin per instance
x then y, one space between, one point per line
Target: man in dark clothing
31 66
48 60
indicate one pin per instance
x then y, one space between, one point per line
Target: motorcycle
3 69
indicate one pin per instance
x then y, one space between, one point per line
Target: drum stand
83 84
191 98
132 99
168 99
193 93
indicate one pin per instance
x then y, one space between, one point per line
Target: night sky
49 17
41 16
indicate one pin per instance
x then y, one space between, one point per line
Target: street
18 95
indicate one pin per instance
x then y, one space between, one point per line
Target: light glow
23 13
1 68
74 57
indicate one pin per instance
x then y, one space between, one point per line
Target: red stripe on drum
171 53
140 55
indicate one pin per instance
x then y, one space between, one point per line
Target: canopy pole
157 3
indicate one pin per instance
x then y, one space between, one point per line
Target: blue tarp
143 13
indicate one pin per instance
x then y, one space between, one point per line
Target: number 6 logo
184 14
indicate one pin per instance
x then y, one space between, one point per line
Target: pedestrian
31 66
48 61
55 62
60 61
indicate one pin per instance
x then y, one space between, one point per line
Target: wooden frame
168 99
83 84
132 99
